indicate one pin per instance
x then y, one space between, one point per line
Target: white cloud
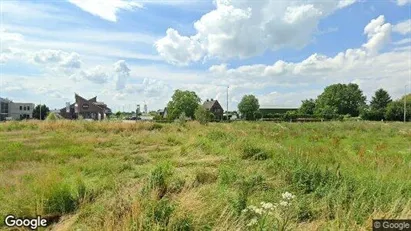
59 58
403 27
378 32
6 36
106 9
403 2
96 75
388 70
345 3
403 41
246 28
179 50
122 73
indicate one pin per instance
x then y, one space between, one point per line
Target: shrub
202 115
182 119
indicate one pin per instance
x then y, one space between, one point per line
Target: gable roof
208 104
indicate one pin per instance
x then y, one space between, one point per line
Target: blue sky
131 52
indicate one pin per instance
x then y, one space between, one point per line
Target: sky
129 52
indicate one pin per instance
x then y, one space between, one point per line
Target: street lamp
405 103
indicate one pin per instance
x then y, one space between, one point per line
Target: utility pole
405 103
227 100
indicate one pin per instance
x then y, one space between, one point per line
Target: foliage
182 119
380 100
158 117
44 112
182 101
307 107
248 106
202 115
378 106
395 110
340 99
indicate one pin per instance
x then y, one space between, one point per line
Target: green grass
148 176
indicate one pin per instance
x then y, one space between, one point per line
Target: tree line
336 102
347 100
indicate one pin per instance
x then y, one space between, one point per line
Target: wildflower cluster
287 197
260 215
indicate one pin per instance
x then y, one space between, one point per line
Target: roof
208 104
93 100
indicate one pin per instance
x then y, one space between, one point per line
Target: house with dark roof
214 107
88 109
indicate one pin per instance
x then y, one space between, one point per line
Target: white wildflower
287 196
284 203
258 211
267 206
252 222
252 207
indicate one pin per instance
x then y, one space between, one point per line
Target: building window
28 108
24 107
21 108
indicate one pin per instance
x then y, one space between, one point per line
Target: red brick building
88 109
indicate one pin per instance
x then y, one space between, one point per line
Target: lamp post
405 103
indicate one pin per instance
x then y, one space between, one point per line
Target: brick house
88 109
214 107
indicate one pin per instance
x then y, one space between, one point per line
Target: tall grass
146 176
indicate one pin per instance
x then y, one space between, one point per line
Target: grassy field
148 176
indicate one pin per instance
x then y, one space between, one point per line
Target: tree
307 107
342 98
378 106
44 112
182 101
202 115
380 100
248 106
395 110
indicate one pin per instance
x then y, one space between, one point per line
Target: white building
15 111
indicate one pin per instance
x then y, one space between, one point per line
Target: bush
202 115
182 119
